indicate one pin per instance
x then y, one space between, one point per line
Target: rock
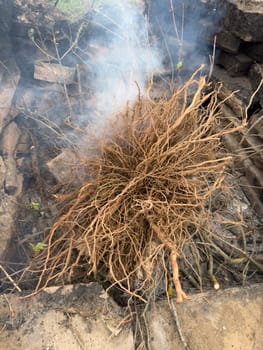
256 76
255 146
236 65
2 172
7 221
241 86
63 167
54 73
252 194
256 124
46 106
255 51
9 72
244 19
227 41
13 180
9 78
6 12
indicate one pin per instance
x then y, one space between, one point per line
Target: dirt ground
84 317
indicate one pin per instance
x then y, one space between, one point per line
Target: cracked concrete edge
228 319
85 317
68 317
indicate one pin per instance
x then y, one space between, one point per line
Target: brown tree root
180 294
144 197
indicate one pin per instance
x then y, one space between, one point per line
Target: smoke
132 42
184 30
122 45
123 59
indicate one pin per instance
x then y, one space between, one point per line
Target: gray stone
255 51
13 180
256 124
6 10
63 167
241 86
227 41
2 172
7 221
256 76
9 78
236 65
54 73
244 19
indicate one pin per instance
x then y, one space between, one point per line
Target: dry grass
145 198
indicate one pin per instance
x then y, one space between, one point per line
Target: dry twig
10 278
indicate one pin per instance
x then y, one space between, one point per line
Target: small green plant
179 65
38 246
31 34
35 206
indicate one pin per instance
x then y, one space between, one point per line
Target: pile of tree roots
144 201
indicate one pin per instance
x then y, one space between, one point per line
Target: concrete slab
225 320
67 318
84 317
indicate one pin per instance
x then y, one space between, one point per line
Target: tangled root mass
145 196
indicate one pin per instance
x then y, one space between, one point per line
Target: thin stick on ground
178 326
10 278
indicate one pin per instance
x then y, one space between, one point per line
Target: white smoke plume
124 60
125 57
184 29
